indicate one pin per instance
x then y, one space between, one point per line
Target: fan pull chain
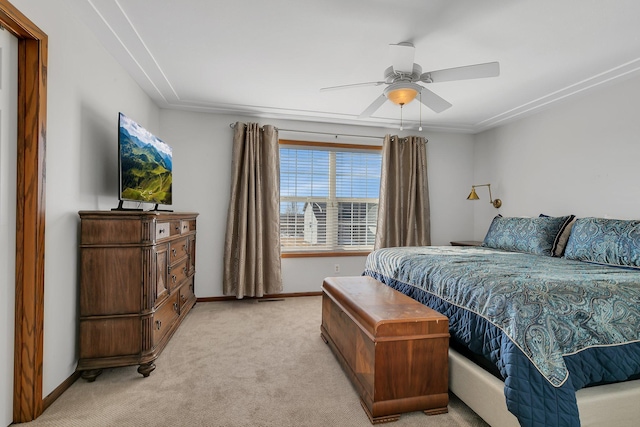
420 128
401 105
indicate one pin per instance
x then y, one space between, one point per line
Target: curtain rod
232 125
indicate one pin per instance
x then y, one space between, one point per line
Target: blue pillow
538 236
605 241
563 237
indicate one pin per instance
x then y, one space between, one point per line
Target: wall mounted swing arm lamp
474 196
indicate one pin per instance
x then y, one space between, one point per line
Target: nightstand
466 243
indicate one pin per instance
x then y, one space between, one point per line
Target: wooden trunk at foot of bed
393 348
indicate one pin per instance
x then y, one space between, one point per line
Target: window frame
330 145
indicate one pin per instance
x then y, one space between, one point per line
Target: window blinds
328 198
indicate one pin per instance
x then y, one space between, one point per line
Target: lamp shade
473 195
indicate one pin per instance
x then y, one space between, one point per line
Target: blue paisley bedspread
550 326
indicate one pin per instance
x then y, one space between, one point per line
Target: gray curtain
252 241
403 210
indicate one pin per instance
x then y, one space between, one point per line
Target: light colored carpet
236 363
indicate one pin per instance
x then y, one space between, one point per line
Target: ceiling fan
403 75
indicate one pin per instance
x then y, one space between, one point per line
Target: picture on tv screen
145 164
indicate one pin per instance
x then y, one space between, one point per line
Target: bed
548 309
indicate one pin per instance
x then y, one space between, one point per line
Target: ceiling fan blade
478 71
373 107
402 55
433 101
324 89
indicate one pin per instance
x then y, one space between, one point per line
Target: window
328 197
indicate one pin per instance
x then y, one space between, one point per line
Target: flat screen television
145 165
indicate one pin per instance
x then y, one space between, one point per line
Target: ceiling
270 58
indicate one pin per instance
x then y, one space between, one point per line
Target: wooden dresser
136 286
394 349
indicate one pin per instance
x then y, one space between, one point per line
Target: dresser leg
436 411
379 419
146 368
91 374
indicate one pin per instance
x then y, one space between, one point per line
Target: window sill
323 254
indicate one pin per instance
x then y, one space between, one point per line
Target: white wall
202 145
86 89
577 157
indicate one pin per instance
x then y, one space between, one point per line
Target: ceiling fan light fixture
401 93
402 96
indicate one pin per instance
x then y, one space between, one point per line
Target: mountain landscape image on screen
145 164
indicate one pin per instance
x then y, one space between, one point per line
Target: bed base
611 404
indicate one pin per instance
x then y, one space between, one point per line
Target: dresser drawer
163 230
187 226
175 227
177 274
110 336
178 249
186 294
164 317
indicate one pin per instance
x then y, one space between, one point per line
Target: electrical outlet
336 268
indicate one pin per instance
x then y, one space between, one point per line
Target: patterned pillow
605 241
563 237
538 236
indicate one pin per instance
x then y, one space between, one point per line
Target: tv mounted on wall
145 165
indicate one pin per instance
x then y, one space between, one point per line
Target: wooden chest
393 348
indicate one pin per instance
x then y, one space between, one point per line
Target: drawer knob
161 231
184 298
173 278
175 307
158 324
174 252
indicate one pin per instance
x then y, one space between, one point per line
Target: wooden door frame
30 211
